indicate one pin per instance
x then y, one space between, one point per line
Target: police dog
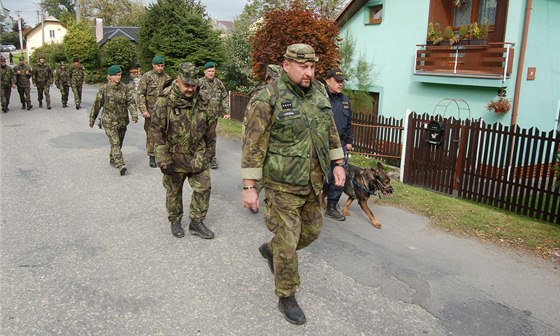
360 184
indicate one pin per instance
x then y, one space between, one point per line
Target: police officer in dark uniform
343 119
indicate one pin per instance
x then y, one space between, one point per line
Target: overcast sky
221 9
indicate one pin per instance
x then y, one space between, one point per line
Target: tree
182 32
119 51
80 42
53 52
115 12
238 68
57 7
281 28
322 8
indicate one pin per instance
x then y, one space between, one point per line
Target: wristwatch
339 164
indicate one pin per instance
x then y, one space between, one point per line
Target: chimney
98 29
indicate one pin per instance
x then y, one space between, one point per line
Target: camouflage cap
301 52
75 59
21 58
188 73
273 71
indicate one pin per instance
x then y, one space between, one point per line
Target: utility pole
19 30
78 10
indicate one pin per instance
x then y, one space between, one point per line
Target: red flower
501 105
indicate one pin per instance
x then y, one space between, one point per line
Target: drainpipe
520 69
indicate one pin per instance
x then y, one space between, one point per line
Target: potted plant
459 3
434 34
478 34
464 35
501 105
450 37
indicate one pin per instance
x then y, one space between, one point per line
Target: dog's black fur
360 184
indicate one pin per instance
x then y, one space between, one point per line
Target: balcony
474 65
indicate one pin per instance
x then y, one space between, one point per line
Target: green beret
113 70
158 60
209 65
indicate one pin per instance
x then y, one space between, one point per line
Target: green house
517 58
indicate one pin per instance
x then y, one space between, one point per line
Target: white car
7 47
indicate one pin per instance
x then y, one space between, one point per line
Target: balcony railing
493 60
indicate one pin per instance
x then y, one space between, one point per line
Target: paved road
85 251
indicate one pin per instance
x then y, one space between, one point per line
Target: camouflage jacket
23 74
7 77
217 92
42 75
117 102
149 88
290 137
61 78
76 76
184 131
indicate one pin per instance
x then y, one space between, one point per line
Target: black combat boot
64 105
5 110
122 170
177 230
40 104
199 229
214 163
265 252
333 212
23 106
29 106
48 106
153 161
77 107
291 310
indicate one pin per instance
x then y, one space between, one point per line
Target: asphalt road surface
85 251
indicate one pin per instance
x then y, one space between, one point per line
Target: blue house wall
391 48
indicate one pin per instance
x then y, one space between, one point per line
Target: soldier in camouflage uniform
61 80
42 75
289 142
77 76
8 80
23 74
212 87
184 131
149 88
118 102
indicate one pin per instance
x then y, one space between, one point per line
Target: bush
96 76
53 52
119 51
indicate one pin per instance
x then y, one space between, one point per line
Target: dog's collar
364 189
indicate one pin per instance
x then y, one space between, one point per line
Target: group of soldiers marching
42 76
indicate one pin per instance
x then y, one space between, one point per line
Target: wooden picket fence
508 168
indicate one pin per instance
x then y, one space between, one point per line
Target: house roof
38 26
131 33
222 25
349 11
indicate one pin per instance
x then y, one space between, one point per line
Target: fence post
404 140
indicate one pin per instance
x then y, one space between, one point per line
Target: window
475 11
51 34
375 14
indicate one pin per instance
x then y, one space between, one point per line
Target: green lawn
460 216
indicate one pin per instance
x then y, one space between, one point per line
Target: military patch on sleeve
288 114
286 105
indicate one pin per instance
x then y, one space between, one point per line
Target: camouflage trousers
44 91
149 137
64 90
296 221
24 95
6 93
116 139
77 91
200 199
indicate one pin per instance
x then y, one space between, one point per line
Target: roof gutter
520 66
